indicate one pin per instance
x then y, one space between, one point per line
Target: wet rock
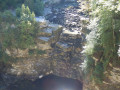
42 21
44 38
47 11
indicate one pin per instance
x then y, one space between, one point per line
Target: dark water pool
50 82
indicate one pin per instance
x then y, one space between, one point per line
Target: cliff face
61 38
59 44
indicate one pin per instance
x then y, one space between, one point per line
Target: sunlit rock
75 32
17 52
45 46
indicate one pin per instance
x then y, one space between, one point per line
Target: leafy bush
36 51
41 52
18 32
4 57
98 73
31 51
7 16
6 4
38 7
18 12
35 5
104 36
90 64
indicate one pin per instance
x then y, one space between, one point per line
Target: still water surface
50 82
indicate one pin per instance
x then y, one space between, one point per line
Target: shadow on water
50 82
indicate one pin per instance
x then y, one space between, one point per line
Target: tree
30 4
26 35
26 28
26 14
22 35
38 7
6 4
33 16
18 12
35 5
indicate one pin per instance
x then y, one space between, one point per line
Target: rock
17 52
75 32
47 11
13 26
43 22
62 45
54 26
40 19
46 39
115 75
45 46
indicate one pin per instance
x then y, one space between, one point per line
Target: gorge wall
60 43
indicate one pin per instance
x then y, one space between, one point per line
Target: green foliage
35 5
4 57
8 37
26 30
38 7
17 32
104 37
41 52
7 16
21 33
26 14
6 4
25 35
18 12
36 51
31 51
90 64
30 3
98 73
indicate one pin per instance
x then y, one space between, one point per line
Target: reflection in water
50 82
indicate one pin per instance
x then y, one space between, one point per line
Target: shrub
98 73
36 51
18 12
35 5
104 36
